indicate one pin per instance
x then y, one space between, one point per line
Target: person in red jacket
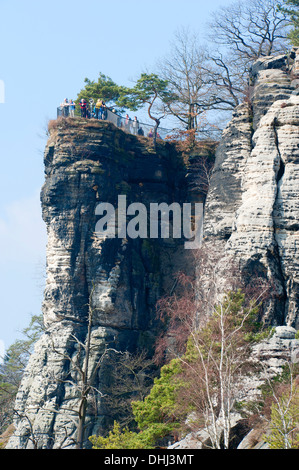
83 106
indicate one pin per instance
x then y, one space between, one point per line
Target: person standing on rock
98 109
104 110
72 108
83 106
65 108
127 123
135 125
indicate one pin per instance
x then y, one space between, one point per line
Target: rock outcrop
251 220
251 216
88 162
252 207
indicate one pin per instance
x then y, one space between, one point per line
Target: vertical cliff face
252 206
87 165
121 279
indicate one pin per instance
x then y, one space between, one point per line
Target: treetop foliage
147 88
214 356
291 9
104 88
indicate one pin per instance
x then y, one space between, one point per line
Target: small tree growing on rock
278 413
149 90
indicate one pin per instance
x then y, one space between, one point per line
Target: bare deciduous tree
84 374
277 412
130 378
217 350
242 32
184 70
250 29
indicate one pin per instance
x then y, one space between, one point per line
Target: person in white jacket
135 125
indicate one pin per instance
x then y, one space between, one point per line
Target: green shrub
117 439
155 415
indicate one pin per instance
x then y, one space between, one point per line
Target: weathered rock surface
87 163
252 204
251 216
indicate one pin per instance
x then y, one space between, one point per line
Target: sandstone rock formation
251 216
252 213
88 162
252 204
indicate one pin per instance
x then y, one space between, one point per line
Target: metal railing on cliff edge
132 126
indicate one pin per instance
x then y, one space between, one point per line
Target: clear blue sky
47 49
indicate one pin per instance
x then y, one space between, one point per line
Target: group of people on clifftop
99 110
68 108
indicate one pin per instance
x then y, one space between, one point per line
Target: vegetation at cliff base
12 368
197 389
155 415
284 422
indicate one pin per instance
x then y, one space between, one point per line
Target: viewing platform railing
128 125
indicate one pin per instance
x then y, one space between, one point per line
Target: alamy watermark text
161 220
